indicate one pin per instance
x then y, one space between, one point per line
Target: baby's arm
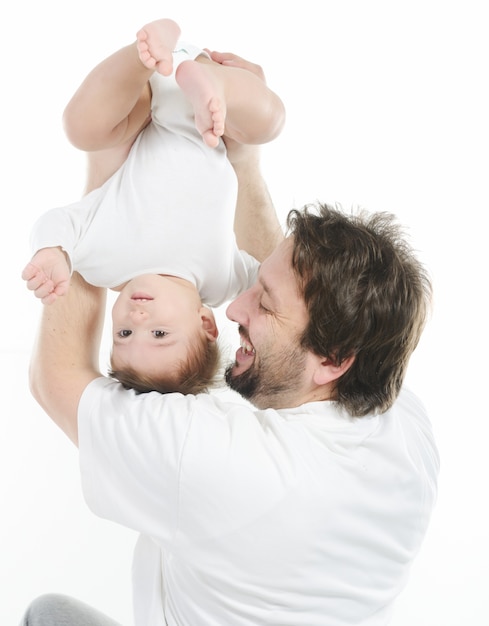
48 274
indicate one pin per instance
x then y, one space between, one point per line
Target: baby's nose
138 315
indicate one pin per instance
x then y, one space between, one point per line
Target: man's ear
326 371
209 323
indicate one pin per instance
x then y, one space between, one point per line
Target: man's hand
48 274
233 60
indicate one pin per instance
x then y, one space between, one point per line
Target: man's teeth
247 347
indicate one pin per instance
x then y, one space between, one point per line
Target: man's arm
66 353
256 225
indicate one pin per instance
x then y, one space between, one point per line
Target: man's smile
246 347
246 352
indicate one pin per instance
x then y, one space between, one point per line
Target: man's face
271 369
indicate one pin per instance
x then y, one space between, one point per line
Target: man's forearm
66 354
256 225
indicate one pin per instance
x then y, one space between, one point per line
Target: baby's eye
159 333
124 333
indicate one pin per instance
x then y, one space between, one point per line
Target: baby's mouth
141 297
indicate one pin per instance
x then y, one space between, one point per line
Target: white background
387 108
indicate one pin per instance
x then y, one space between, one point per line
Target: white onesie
169 209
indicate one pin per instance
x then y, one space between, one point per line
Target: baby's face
155 319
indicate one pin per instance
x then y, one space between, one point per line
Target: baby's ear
209 323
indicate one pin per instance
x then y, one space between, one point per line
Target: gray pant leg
59 610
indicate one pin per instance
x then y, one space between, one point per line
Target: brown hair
367 296
194 375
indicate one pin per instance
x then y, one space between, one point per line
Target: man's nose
237 311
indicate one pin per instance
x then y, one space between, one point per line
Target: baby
160 230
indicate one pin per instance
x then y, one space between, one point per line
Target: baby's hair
196 374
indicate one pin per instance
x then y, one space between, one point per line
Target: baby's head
164 339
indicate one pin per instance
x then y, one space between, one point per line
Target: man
307 510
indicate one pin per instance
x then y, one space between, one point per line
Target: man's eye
124 333
262 308
159 333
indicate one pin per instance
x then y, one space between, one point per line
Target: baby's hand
48 274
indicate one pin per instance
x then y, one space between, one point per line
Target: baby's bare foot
156 42
203 90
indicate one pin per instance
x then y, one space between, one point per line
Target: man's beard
273 382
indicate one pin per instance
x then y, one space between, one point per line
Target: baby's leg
156 42
230 101
205 92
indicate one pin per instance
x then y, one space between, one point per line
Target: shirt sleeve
64 226
175 467
252 266
243 275
130 452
